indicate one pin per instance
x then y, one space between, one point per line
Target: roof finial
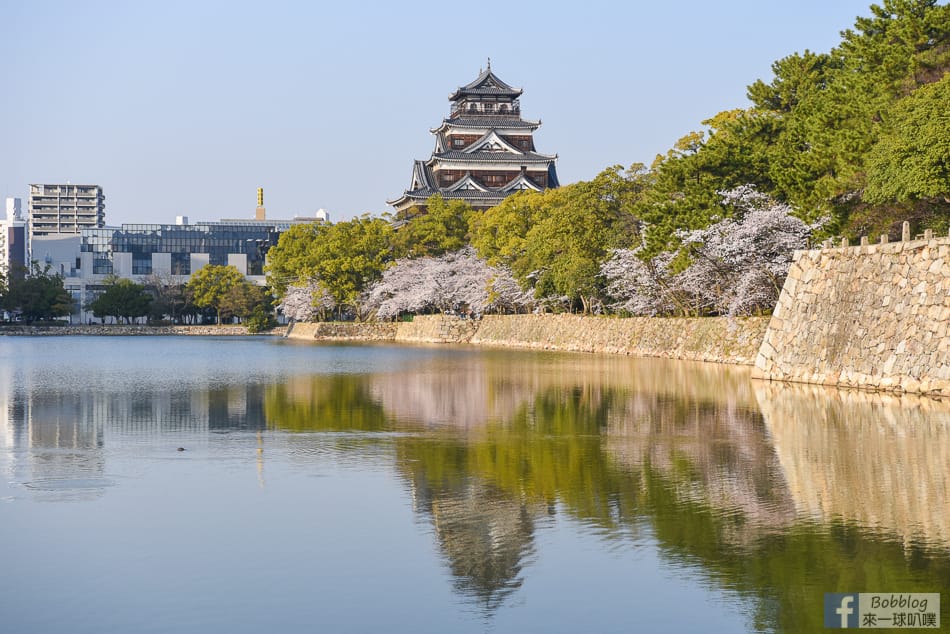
489 64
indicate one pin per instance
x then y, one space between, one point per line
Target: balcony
512 110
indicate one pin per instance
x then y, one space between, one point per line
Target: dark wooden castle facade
484 150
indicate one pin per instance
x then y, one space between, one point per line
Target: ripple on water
68 489
68 484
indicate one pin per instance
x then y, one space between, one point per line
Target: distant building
170 252
13 236
14 209
137 250
484 150
65 209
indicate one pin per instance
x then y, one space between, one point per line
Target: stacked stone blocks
872 316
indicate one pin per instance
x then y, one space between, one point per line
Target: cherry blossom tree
306 302
641 287
738 265
451 282
505 294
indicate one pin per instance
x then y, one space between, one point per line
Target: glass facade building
180 250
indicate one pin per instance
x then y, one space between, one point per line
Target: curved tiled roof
492 157
460 194
488 121
487 83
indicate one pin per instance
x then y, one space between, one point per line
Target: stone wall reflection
494 385
880 460
713 453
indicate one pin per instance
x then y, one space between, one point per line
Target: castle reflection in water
490 446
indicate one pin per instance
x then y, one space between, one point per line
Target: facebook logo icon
841 610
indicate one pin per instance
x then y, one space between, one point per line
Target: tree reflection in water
723 472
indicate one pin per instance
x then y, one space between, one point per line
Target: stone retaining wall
344 331
717 339
872 316
436 329
422 329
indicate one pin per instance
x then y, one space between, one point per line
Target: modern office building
56 209
139 250
484 150
149 253
13 236
167 253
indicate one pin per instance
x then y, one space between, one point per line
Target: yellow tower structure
261 212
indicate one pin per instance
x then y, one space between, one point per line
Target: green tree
684 188
498 234
37 295
345 257
796 78
122 299
833 116
352 256
293 260
260 320
243 299
556 240
211 284
911 161
441 228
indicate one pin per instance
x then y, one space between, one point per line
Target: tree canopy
441 228
211 285
37 294
911 161
554 241
344 258
122 299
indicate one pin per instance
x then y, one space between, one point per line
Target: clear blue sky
179 107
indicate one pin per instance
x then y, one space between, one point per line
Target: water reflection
485 535
777 493
58 437
758 487
879 460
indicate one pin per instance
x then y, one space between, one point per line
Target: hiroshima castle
484 150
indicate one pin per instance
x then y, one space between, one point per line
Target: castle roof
466 188
480 145
455 156
486 84
484 122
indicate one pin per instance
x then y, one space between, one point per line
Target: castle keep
484 150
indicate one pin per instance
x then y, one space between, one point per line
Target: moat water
190 484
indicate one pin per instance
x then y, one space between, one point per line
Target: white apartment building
65 209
